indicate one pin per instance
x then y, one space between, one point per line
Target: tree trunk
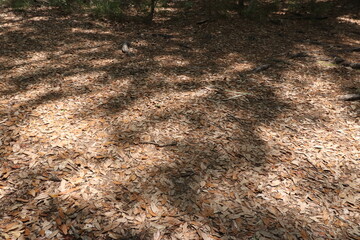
152 11
240 5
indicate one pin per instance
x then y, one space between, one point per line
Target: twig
159 145
290 176
261 68
202 21
238 94
307 159
350 97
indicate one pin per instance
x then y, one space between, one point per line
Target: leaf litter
175 143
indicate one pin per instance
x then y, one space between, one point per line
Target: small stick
160 145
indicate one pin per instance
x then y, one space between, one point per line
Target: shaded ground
224 130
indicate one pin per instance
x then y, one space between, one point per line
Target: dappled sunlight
103 62
81 79
35 57
240 67
169 61
93 31
39 18
349 19
9 20
232 131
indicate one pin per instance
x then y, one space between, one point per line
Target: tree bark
152 11
240 6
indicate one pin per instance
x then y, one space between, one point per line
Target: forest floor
227 129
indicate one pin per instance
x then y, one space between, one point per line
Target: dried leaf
157 235
151 212
27 232
275 183
304 234
205 236
61 213
12 226
58 221
132 177
64 228
32 192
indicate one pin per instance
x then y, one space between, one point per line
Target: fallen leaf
151 212
304 234
64 228
32 192
27 232
61 213
58 221
10 226
70 190
275 183
133 177
205 236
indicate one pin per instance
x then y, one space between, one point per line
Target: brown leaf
151 212
61 213
64 228
32 192
173 221
304 234
11 226
205 236
133 177
58 221
278 196
70 190
267 221
27 232
15 166
25 219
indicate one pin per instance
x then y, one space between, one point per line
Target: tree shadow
222 143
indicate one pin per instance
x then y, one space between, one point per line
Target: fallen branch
261 68
350 97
